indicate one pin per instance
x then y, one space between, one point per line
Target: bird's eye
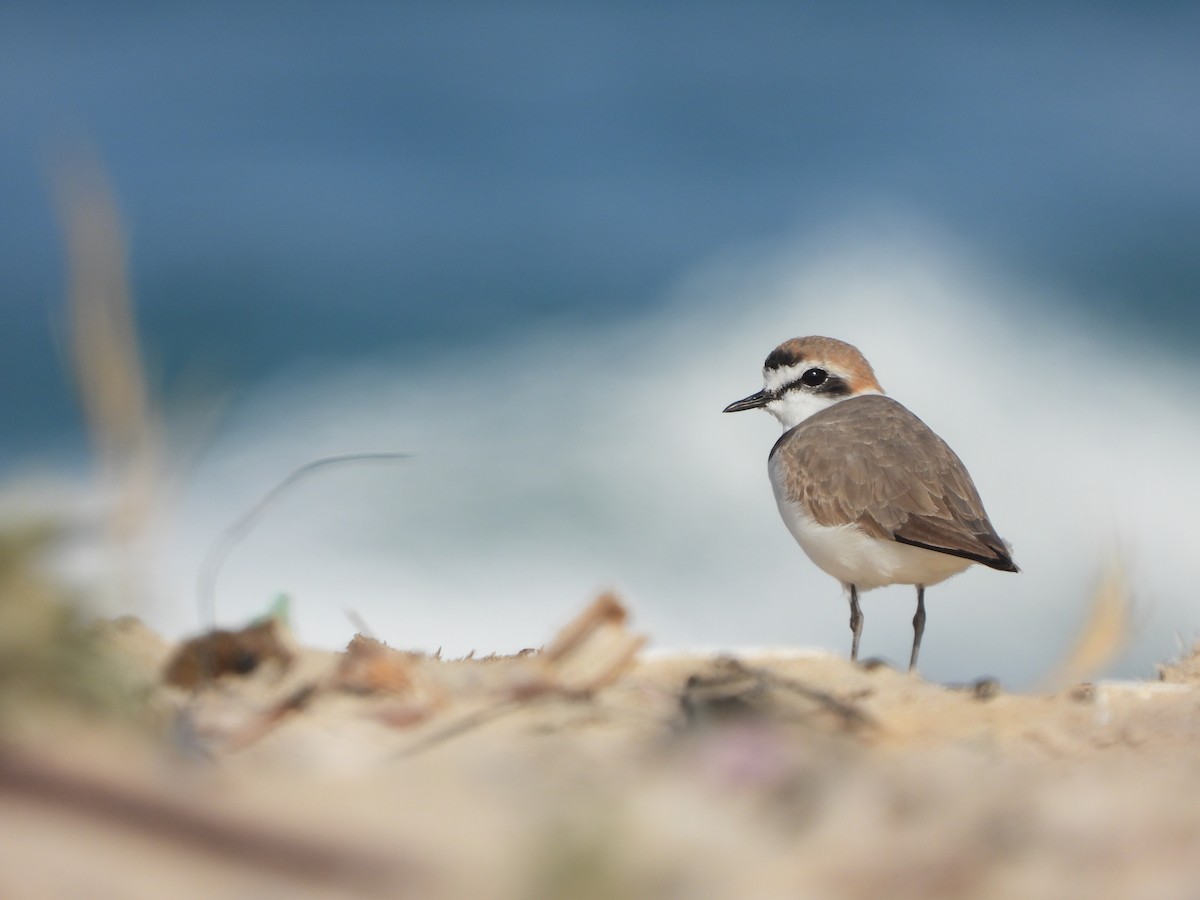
814 377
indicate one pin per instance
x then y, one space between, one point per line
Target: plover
870 493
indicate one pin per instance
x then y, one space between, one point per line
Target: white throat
795 406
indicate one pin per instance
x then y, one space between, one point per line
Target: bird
870 493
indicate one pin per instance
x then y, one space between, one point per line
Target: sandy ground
592 769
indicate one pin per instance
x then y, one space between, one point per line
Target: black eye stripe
832 386
810 378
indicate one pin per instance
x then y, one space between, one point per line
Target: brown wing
868 461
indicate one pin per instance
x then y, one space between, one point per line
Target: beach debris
369 666
1184 670
734 691
589 653
593 650
220 652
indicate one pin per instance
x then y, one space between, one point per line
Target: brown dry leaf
416 681
223 652
369 666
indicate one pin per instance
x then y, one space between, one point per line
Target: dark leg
856 623
918 626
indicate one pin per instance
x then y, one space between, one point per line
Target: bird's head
805 375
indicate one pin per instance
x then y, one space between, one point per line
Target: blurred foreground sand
602 772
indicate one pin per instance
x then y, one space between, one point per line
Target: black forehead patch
783 356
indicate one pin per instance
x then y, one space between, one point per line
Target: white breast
852 556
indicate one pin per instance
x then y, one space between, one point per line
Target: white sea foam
578 460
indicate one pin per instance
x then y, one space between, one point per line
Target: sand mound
589 769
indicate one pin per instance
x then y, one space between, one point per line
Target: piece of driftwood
589 653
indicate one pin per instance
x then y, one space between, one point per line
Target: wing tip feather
999 560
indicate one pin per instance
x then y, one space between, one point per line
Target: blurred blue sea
410 193
326 181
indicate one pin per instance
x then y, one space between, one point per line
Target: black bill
754 401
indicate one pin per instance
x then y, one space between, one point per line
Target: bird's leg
918 626
856 623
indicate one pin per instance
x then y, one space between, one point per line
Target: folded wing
869 462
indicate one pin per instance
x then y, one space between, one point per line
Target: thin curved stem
206 582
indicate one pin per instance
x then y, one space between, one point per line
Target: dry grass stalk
1105 631
106 354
